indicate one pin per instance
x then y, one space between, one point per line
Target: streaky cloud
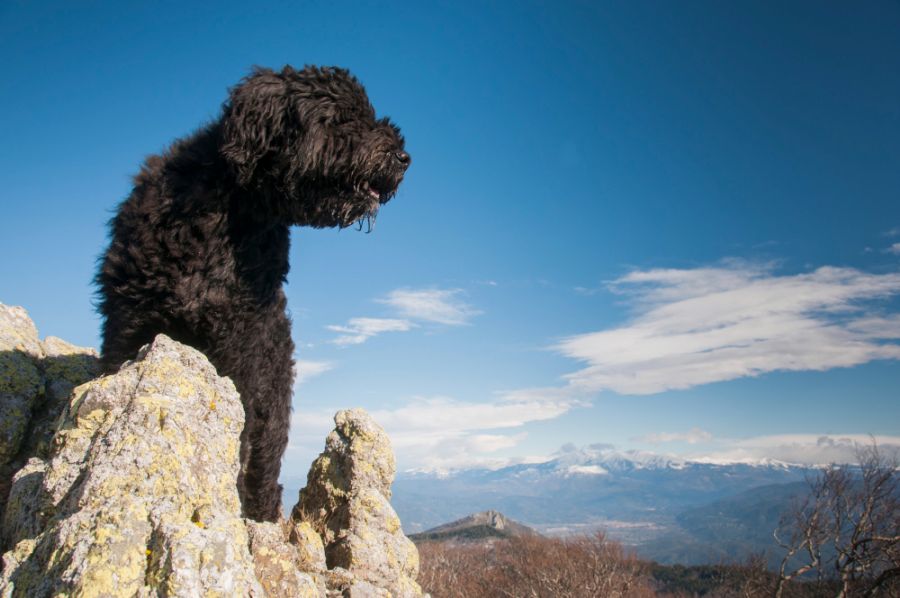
359 330
441 306
703 325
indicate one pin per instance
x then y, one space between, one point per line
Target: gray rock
346 502
36 379
21 382
279 565
22 518
125 485
139 494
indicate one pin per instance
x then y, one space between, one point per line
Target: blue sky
665 226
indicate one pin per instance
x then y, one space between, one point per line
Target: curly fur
199 249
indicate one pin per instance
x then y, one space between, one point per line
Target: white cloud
439 306
804 449
692 436
441 434
713 324
895 249
442 306
311 425
587 292
359 330
306 439
306 369
451 417
586 470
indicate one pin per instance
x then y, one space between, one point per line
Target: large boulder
36 379
139 494
125 485
347 501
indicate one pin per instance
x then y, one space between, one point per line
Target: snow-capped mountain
638 497
669 509
603 460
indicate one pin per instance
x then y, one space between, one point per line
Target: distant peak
477 526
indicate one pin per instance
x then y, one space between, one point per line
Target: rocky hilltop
477 526
125 485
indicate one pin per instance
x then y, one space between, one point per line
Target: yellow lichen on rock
133 495
279 565
128 486
21 381
346 502
310 549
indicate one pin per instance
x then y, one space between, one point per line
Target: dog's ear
254 120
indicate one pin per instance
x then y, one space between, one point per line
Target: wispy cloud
306 369
804 449
696 326
895 249
359 330
441 306
442 433
586 291
428 418
692 436
415 307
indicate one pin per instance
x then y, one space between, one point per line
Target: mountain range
666 509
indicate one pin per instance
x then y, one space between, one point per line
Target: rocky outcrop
347 501
36 379
135 495
139 494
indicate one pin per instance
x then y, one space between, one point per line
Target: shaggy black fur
199 250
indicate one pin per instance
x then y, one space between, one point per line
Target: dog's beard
363 213
372 200
324 202
337 208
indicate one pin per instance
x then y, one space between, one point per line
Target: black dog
199 250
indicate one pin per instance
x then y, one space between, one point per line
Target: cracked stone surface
347 502
125 485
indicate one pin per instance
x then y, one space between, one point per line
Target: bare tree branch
847 528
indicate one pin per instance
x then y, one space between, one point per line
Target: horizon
671 229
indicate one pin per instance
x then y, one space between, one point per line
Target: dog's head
309 142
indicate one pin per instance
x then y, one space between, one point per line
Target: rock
36 379
279 565
310 550
139 494
22 518
125 485
21 382
346 501
18 332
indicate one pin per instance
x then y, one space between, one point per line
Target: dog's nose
403 158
